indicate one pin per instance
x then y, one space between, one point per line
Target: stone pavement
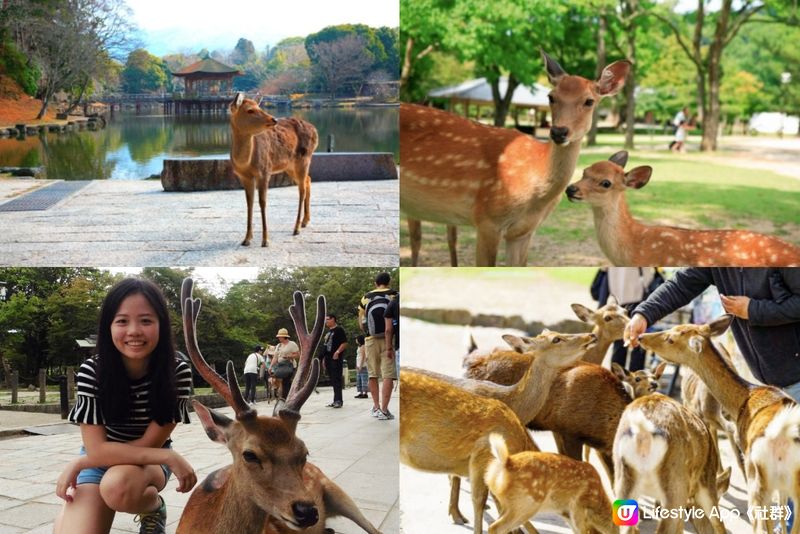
355 450
118 223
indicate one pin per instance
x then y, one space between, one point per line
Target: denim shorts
93 475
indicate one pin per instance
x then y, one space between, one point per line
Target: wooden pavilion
207 77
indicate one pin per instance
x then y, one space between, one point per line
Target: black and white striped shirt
87 407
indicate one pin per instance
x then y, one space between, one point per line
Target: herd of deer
648 443
504 183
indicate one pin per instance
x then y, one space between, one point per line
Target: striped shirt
87 408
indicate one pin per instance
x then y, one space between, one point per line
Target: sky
215 279
169 26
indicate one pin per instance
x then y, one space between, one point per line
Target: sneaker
154 522
384 416
331 405
375 411
337 404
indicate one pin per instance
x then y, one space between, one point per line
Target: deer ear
237 101
613 78
215 424
660 370
584 314
515 342
718 326
554 70
696 343
618 370
620 158
638 177
612 300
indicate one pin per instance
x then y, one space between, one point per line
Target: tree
425 24
143 73
341 62
244 52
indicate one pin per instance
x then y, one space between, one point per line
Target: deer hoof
265 243
246 243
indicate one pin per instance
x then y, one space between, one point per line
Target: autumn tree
342 62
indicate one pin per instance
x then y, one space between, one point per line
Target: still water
133 147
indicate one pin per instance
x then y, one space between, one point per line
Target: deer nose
572 192
559 134
305 513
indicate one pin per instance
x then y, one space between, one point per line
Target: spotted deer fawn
502 182
528 483
269 488
455 441
766 419
662 449
626 241
263 145
639 383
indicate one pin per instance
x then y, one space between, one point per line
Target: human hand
390 353
68 479
335 355
737 306
183 472
635 328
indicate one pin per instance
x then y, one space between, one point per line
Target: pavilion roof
207 66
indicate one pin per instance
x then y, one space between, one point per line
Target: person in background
379 364
251 366
392 333
630 285
286 350
334 343
362 376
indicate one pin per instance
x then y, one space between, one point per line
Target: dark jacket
770 339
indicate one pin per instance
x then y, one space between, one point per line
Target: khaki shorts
378 364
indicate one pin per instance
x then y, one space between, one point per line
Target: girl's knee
121 488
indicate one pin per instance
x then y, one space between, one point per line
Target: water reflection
133 147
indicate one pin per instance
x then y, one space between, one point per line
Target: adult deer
504 183
767 420
263 145
269 488
626 241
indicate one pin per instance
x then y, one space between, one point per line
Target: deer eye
605 184
637 379
669 340
251 111
556 340
589 103
250 457
607 319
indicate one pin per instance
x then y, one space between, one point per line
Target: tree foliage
144 73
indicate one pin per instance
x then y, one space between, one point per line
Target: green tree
143 73
244 52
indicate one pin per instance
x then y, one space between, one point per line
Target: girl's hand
68 479
183 472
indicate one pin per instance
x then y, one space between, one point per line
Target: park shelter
208 77
479 92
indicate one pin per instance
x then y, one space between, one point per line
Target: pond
133 147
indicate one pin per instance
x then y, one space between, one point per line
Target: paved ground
135 224
424 496
355 450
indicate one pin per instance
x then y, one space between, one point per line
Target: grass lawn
685 190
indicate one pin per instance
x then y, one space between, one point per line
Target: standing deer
626 241
503 182
767 420
662 449
263 145
269 488
528 483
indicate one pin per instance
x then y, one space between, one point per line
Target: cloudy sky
169 26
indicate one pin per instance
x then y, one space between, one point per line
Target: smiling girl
130 397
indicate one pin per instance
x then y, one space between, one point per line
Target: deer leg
415 236
623 488
263 183
510 519
249 190
703 498
337 502
756 496
517 249
452 240
307 202
453 511
301 188
480 492
488 241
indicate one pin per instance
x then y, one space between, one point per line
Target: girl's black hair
113 380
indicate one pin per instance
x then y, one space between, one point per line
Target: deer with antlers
626 241
767 420
270 488
263 145
501 181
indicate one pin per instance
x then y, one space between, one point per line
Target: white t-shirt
282 351
252 363
628 284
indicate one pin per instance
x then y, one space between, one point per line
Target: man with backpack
380 364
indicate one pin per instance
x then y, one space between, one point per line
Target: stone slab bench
217 174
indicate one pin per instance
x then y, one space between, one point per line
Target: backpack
376 306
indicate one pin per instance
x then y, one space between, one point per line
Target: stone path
135 224
355 450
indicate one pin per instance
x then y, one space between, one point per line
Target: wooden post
14 387
71 383
42 386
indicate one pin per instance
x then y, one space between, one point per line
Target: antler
305 380
228 390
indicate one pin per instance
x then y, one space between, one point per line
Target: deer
626 241
456 441
262 145
639 383
664 450
270 488
527 483
502 182
766 419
